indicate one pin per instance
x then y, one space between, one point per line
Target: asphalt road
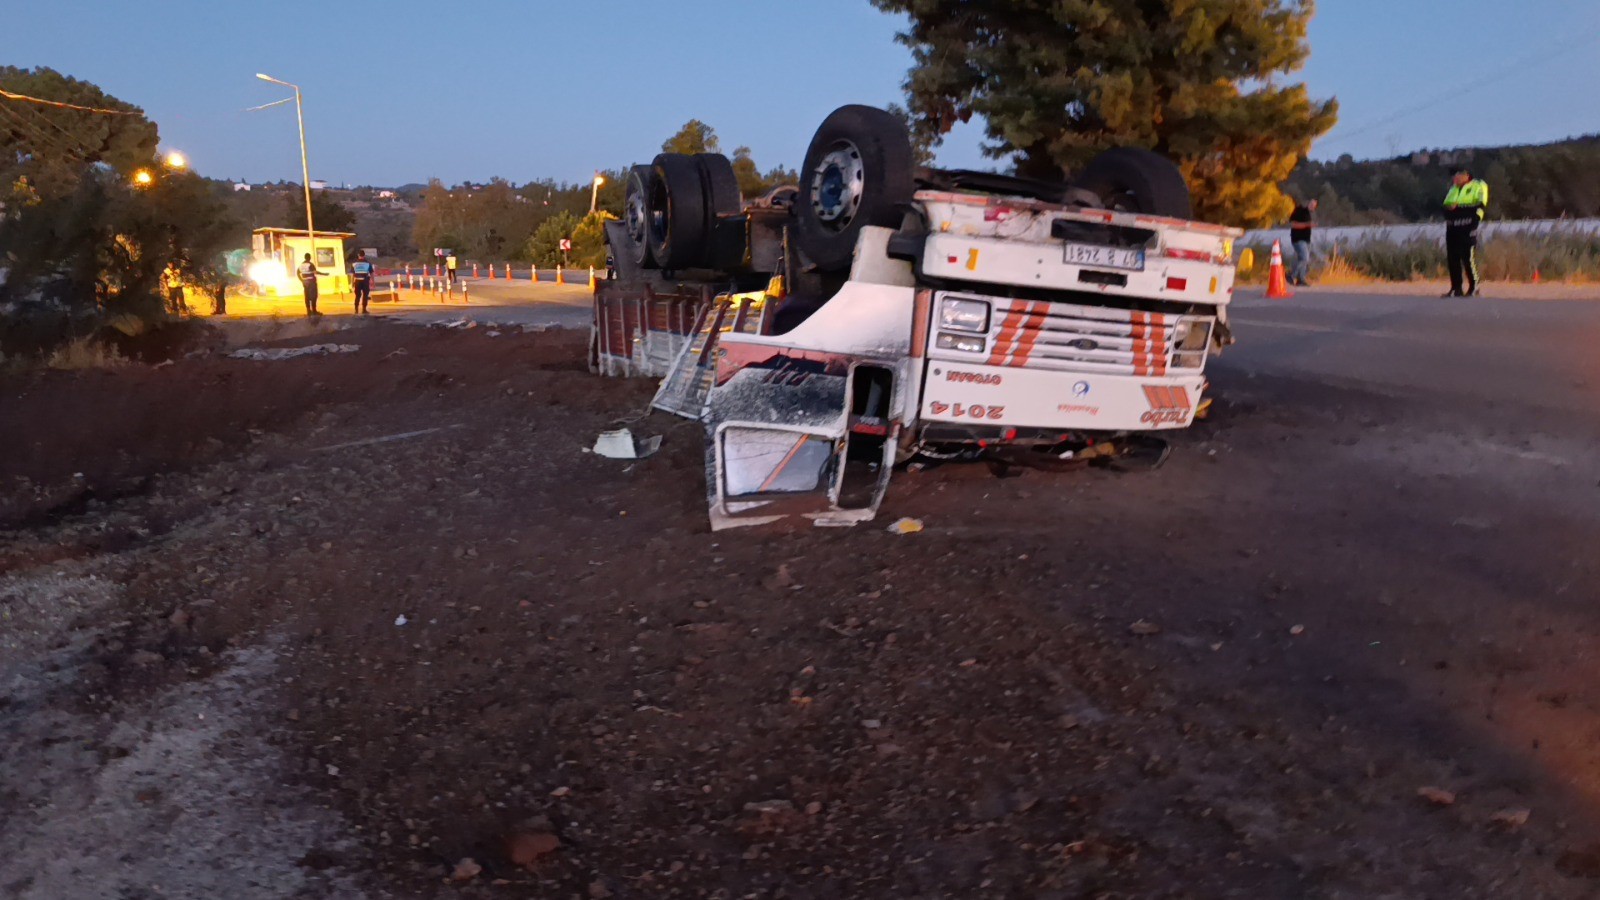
1421 476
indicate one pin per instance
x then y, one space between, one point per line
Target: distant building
386 195
241 186
319 185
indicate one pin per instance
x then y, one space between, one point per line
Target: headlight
964 315
962 342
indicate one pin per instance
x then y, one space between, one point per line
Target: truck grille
1069 338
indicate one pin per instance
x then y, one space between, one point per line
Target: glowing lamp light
176 160
143 178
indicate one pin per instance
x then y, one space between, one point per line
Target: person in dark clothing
361 273
308 273
1301 222
1464 209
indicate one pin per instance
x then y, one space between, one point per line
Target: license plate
1105 257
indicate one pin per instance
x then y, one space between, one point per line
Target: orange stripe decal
1008 331
1031 332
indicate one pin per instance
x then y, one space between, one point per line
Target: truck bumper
964 394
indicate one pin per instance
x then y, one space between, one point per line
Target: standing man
450 265
1464 208
1301 222
308 282
361 273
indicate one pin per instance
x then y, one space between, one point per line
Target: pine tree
694 137
1056 81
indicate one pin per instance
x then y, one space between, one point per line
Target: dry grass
85 353
1559 256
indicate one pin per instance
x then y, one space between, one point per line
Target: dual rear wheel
859 170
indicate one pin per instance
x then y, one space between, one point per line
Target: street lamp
305 164
143 178
176 160
594 196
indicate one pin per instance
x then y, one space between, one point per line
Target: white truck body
1022 322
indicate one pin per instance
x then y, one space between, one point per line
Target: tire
722 186
1131 179
677 211
858 172
636 213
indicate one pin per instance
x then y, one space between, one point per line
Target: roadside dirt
332 626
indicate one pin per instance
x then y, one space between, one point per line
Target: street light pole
594 196
305 162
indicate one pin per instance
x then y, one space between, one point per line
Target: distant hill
1536 181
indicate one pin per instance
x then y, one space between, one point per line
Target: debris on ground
279 354
905 525
1144 628
466 870
1511 819
1436 796
621 444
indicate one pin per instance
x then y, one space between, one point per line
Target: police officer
308 273
1464 208
361 273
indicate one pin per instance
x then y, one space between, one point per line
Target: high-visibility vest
1473 193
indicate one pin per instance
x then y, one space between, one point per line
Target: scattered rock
467 869
1511 818
561 791
598 890
146 658
1144 628
1297 630
813 807
525 849
871 724
767 816
1437 796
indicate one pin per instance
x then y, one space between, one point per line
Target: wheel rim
837 183
638 217
656 216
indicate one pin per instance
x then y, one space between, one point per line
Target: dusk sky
402 91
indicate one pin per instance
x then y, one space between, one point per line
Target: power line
1533 60
56 103
40 136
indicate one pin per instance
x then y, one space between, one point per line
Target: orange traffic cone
1277 282
561 276
508 271
592 282
1536 277
491 271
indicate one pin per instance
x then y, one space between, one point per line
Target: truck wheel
636 213
677 211
1131 179
722 186
857 173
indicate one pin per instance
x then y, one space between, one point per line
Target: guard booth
277 252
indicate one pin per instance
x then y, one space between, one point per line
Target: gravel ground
256 644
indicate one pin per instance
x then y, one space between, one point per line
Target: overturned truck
878 311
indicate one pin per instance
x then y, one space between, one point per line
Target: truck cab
974 316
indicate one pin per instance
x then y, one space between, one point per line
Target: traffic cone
561 277
464 297
474 270
1277 281
491 271
534 271
1536 277
593 285
508 271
